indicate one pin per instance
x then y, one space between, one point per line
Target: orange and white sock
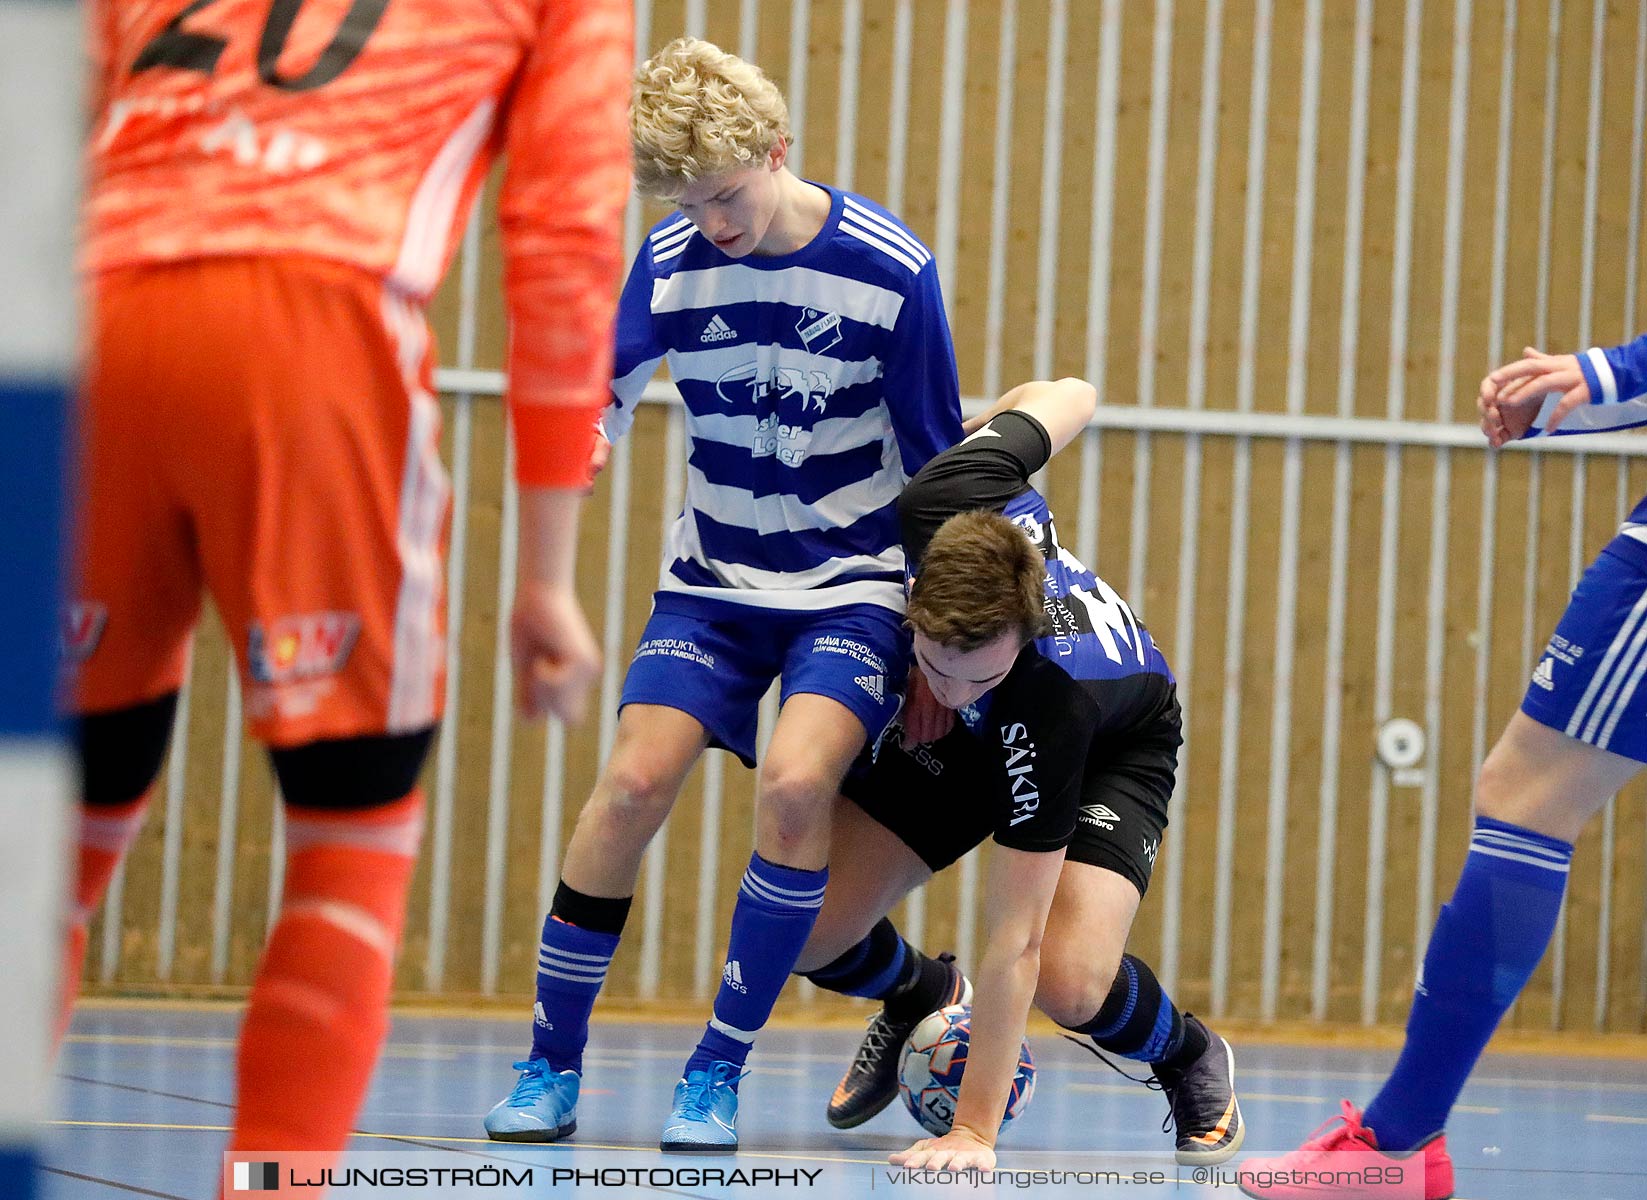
318 1009
106 833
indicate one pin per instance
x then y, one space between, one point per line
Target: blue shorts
715 661
1588 684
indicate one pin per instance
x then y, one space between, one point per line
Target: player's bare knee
637 795
1073 987
794 802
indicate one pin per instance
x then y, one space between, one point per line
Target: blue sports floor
145 1097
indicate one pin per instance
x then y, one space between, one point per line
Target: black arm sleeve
987 470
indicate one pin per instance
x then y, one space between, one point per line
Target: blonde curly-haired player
804 328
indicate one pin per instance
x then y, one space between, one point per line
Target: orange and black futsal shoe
871 1082
1343 1162
1205 1111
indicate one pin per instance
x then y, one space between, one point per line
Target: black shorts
943 799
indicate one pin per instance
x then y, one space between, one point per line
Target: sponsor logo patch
296 648
82 631
1020 768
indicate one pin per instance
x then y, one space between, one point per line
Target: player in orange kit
274 191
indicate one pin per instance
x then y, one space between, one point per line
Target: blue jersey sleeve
638 352
1618 392
1619 375
923 393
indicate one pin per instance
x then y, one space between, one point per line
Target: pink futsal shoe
1343 1162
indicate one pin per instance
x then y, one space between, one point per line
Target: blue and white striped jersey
1618 400
816 384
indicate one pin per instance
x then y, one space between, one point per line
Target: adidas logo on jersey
1100 815
874 685
732 976
1544 676
718 330
539 1017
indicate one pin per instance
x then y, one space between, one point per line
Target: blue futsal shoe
542 1108
705 1117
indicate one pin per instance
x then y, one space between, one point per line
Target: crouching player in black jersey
1065 752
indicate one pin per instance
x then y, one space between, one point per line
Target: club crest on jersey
81 631
819 331
305 646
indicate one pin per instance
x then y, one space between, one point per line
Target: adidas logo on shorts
718 330
873 685
1544 675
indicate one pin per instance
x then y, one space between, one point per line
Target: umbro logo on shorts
874 685
1100 815
718 330
1544 674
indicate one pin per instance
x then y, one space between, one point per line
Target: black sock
1139 1021
925 988
875 968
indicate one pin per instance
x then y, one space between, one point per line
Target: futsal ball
932 1062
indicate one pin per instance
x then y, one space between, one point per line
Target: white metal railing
1246 428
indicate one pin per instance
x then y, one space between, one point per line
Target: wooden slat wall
1538 541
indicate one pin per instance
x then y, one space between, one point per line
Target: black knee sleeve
358 772
121 751
598 914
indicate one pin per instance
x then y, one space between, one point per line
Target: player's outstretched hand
555 656
1512 395
924 719
955 1151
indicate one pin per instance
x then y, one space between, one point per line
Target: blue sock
774 916
572 964
1486 945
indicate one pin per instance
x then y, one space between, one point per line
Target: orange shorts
265 429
